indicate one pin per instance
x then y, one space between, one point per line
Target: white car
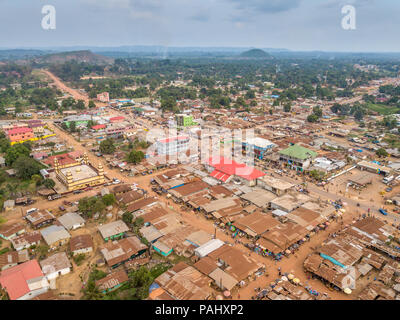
116 181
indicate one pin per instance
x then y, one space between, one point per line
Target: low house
142 204
113 230
275 185
24 281
129 197
56 265
208 247
12 258
55 236
81 244
71 221
226 170
26 240
289 202
9 231
112 281
118 252
183 282
40 218
9 205
121 189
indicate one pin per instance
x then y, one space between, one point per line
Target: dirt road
76 94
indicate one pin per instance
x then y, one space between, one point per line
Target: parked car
62 208
77 191
383 212
389 189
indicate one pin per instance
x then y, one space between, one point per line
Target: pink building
20 134
103 97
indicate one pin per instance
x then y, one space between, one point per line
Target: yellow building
80 175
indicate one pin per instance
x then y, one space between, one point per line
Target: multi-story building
297 157
20 134
257 147
184 120
173 145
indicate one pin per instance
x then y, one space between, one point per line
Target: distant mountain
14 54
255 53
79 56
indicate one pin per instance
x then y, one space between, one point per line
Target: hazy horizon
296 25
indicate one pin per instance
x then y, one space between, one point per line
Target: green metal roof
298 152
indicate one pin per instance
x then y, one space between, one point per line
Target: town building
56 265
55 236
24 281
103 97
174 145
81 244
184 120
71 221
118 252
79 175
26 240
297 157
112 281
113 230
227 170
257 147
19 135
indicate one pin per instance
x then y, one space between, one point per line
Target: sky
301 25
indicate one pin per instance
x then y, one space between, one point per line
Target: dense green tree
139 283
90 206
14 152
127 217
26 167
287 107
312 118
109 199
107 146
135 157
49 183
381 153
91 104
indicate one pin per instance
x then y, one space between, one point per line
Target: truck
387 180
54 197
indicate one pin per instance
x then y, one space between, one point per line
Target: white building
208 247
173 145
71 221
56 265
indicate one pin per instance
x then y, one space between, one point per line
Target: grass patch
4 250
382 108
78 259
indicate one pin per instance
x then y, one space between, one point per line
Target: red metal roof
14 279
231 167
117 118
63 159
220 175
19 130
99 126
168 140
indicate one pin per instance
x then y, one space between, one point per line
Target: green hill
255 53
